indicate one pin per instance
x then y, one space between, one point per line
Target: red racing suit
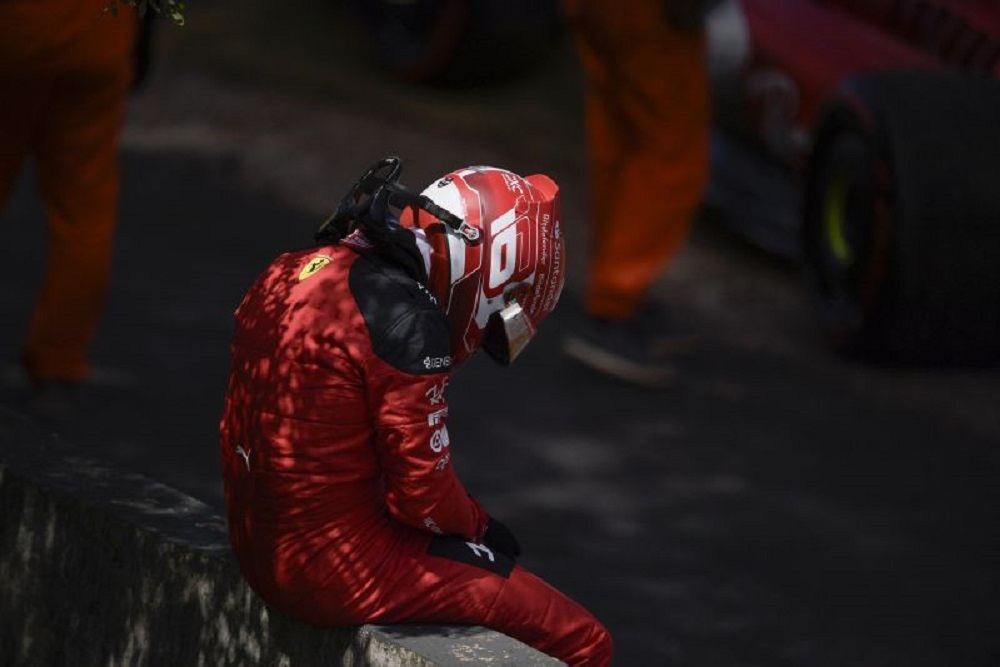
343 504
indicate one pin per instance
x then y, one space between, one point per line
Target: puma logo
245 453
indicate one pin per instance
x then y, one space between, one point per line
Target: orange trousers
65 72
647 127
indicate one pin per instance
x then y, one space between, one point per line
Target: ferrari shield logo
314 265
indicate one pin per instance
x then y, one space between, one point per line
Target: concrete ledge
101 566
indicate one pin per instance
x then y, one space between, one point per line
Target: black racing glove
499 538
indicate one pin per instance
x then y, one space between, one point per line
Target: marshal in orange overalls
65 71
647 126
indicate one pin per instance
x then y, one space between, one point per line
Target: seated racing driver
343 504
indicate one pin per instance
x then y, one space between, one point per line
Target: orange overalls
647 128
65 71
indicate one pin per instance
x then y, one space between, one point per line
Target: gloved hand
499 538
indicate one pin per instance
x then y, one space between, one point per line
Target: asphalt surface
780 506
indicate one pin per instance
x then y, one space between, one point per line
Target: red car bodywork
792 56
817 44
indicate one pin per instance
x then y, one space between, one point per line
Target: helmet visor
508 333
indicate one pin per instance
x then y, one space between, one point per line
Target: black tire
459 42
901 218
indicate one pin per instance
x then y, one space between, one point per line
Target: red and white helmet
499 273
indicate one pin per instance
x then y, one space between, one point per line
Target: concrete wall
104 567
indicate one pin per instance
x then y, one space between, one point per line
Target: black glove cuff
499 538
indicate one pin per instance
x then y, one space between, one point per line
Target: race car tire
901 217
459 42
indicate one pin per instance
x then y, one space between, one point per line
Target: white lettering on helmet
544 255
512 181
503 249
556 278
502 222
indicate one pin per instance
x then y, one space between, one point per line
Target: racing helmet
491 244
500 272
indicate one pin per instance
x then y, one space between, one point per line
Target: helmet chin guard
508 333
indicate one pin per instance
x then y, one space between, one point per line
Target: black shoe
639 349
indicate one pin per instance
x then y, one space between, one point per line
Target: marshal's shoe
641 349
